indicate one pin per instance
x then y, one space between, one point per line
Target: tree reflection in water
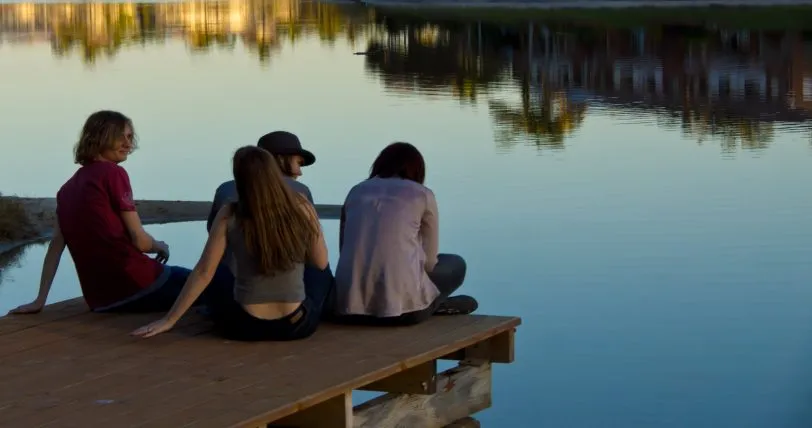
539 79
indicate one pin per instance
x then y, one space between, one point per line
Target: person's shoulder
226 186
107 171
226 189
420 187
298 186
362 188
413 187
371 183
227 210
224 213
108 167
412 190
425 189
99 166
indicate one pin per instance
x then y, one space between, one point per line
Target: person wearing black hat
291 157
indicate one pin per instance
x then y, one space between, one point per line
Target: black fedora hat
285 143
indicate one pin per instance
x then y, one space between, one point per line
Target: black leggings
233 322
448 275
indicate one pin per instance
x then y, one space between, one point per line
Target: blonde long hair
277 231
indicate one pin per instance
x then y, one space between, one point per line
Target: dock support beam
461 392
418 396
421 379
497 349
333 413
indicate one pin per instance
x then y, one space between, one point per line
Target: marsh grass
14 222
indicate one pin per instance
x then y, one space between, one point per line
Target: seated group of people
264 272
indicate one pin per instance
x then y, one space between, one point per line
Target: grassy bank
14 222
750 17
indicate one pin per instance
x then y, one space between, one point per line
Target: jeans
448 275
163 297
234 323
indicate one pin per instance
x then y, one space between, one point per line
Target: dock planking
68 367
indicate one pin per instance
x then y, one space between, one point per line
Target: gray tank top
250 287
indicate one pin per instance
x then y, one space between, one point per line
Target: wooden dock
67 367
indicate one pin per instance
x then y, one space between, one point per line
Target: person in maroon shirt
98 222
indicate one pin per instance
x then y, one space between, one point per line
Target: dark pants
233 322
448 275
162 298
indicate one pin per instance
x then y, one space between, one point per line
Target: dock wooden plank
69 367
52 312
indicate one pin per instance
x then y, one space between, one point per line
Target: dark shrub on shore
14 222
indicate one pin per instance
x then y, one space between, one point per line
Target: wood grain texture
68 367
461 392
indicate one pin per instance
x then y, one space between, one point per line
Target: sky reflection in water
638 196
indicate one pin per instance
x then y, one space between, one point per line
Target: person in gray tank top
291 158
272 232
389 270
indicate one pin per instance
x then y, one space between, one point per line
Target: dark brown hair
101 132
400 160
284 164
277 231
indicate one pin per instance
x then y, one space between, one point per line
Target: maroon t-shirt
109 266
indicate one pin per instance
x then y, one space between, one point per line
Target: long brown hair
276 231
101 131
402 160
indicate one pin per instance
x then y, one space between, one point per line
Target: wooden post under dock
68 367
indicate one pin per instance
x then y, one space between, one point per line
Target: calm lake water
639 196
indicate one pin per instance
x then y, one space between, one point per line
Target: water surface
639 196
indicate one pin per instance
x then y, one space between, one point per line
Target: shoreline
41 213
577 4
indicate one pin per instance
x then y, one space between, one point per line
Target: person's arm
198 280
204 270
49 267
317 253
121 198
140 237
430 231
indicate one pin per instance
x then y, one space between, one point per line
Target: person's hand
163 252
154 328
29 308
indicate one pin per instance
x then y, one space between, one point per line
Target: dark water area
633 185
